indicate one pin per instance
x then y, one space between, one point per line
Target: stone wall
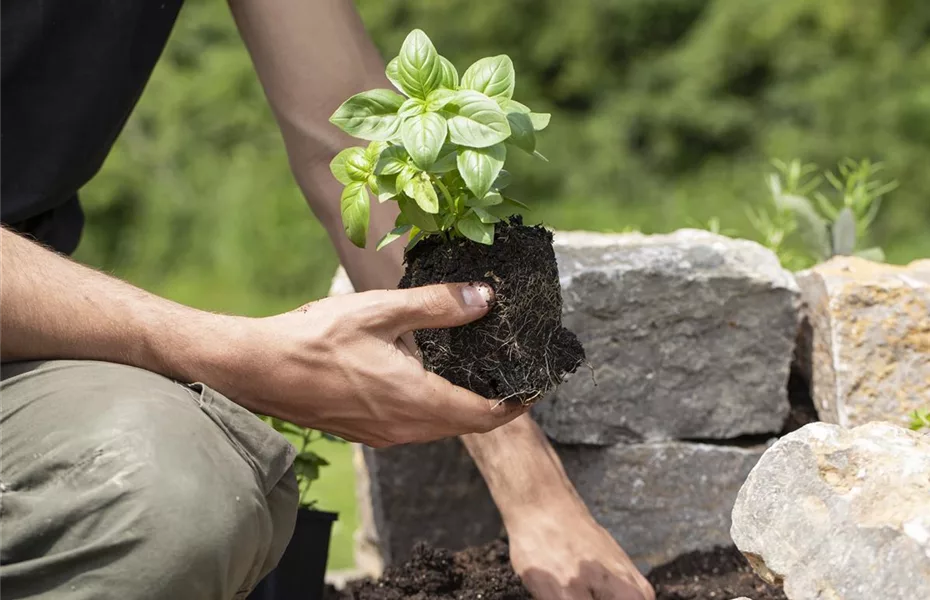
690 339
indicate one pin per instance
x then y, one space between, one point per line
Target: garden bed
484 572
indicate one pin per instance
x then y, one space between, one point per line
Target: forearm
520 466
310 57
54 308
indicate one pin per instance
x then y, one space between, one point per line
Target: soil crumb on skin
484 573
519 350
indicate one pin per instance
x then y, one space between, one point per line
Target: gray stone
690 336
661 499
866 342
836 513
431 492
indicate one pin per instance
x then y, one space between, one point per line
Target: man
131 465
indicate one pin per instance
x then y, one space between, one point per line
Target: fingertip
478 295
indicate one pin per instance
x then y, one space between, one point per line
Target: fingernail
478 294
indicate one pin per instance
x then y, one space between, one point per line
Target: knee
193 499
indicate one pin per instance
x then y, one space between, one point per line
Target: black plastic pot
300 574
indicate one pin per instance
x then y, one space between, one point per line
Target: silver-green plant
825 224
437 147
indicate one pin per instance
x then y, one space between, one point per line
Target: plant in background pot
438 147
302 569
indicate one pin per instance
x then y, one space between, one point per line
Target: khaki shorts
116 482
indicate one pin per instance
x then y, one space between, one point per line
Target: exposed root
520 349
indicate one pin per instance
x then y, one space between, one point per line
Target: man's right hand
339 365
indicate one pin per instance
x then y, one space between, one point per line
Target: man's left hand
566 555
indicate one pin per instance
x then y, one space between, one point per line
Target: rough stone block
662 499
866 345
690 336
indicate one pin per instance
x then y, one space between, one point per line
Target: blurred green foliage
665 113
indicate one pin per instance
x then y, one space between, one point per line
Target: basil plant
437 146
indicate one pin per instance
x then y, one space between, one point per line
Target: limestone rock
840 514
690 336
867 344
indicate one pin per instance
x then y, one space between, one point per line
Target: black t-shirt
72 71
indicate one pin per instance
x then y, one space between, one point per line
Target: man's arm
310 57
54 308
331 365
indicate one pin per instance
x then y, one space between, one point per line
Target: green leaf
419 70
307 466
393 235
373 184
516 203
391 72
875 254
450 76
471 227
387 187
405 179
506 209
511 105
478 121
373 152
502 181
492 76
489 200
425 194
479 167
446 161
522 134
423 136
538 155
438 99
415 237
411 107
484 216
370 115
811 226
540 120
844 233
392 161
417 216
349 165
355 212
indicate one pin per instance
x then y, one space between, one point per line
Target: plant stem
445 192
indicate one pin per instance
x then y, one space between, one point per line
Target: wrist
191 345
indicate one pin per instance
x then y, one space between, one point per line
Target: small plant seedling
920 419
307 463
437 146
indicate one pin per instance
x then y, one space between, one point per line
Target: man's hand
563 554
338 365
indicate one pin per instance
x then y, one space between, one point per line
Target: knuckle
434 301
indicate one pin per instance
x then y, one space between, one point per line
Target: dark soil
722 573
485 573
520 349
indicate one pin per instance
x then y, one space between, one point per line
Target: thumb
436 306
